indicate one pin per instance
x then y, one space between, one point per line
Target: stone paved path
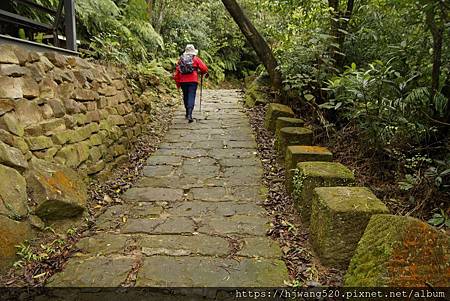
194 218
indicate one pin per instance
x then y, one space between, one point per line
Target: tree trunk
446 92
437 32
437 54
150 9
258 43
338 28
157 14
340 59
334 7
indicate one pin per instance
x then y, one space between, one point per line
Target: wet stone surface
193 219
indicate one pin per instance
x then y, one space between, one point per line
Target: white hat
190 49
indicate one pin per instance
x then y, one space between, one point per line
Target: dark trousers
189 91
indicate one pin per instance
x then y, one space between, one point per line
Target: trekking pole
201 92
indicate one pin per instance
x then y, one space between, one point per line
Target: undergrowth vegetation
375 75
152 34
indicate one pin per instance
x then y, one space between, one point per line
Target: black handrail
69 20
17 19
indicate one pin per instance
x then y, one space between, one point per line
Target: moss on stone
292 136
39 143
13 233
13 195
301 153
253 94
283 122
313 175
59 192
339 217
274 111
399 251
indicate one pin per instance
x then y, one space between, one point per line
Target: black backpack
187 64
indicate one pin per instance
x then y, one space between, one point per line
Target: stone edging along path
194 219
349 226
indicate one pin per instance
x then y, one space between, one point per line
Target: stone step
292 136
301 153
274 111
339 217
310 175
283 122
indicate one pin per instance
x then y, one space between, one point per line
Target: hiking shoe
190 119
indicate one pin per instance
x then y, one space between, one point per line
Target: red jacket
192 77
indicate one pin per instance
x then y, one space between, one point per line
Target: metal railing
57 26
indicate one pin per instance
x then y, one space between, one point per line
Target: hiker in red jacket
186 77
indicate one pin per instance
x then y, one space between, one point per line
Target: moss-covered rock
400 251
339 217
284 122
310 175
274 111
63 137
9 122
58 191
254 94
301 153
39 143
13 157
292 136
13 193
13 233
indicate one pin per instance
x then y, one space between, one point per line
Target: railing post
71 29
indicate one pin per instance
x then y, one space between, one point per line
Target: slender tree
257 42
150 8
339 25
436 19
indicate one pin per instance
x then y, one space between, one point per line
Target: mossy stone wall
67 112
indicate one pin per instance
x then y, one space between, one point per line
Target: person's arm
201 66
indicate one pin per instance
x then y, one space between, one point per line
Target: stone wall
57 114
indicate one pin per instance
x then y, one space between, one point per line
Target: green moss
326 170
339 217
263 191
292 136
274 111
300 153
253 94
399 251
283 122
317 174
370 262
350 199
39 143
